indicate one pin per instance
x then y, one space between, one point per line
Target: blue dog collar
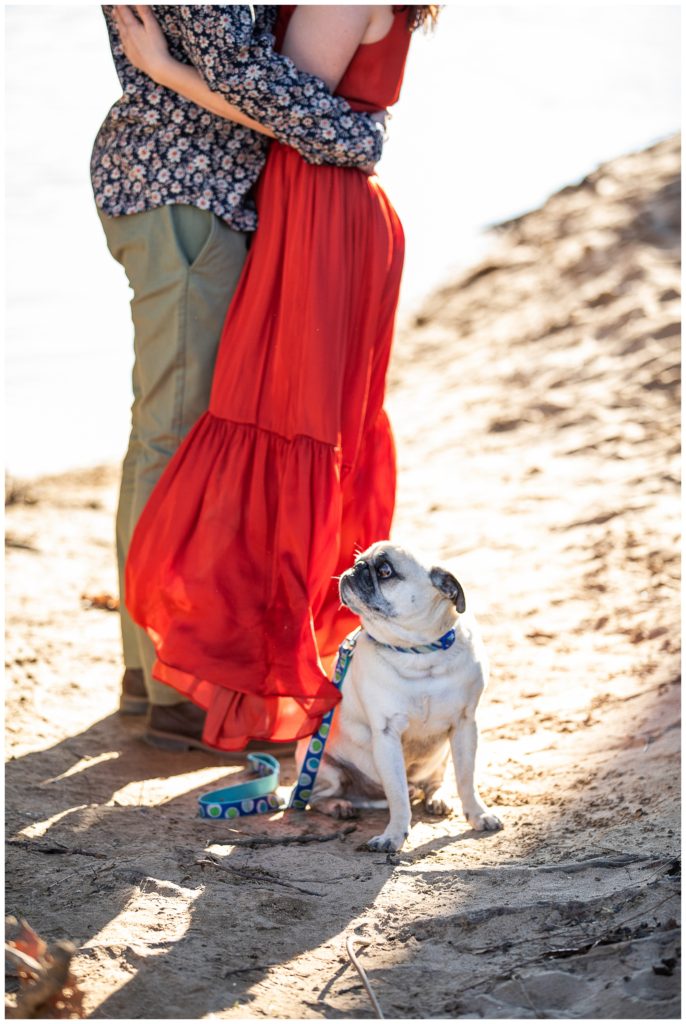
442 644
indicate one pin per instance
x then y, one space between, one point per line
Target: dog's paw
387 842
336 808
438 803
483 821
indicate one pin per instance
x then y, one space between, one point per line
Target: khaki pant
182 264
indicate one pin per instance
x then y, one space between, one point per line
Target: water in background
501 107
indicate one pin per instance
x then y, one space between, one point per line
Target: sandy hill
535 401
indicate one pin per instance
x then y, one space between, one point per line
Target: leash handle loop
254 797
257 796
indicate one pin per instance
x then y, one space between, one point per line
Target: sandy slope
536 412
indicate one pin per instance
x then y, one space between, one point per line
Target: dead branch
255 875
349 942
569 867
287 840
54 848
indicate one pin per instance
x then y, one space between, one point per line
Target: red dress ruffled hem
233 572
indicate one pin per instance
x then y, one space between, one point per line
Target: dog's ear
448 585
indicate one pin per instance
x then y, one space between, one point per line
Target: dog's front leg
390 764
463 743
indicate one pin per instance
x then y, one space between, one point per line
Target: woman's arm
322 38
146 48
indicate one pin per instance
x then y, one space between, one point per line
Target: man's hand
142 40
380 117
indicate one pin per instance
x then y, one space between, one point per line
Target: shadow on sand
85 814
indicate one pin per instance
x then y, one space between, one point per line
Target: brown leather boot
133 698
178 727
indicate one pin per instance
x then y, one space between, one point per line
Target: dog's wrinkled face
396 596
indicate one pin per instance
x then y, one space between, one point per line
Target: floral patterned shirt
156 148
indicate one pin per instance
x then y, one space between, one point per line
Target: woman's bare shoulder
322 38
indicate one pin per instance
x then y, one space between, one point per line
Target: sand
535 403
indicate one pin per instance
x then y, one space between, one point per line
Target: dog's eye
384 570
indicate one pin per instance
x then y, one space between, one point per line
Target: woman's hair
419 14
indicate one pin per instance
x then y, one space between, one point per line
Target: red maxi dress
233 564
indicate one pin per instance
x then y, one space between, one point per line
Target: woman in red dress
234 562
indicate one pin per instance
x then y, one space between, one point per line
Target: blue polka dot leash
254 797
257 796
302 791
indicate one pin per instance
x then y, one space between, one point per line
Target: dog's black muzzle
360 581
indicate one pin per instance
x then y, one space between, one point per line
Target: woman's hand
145 46
143 40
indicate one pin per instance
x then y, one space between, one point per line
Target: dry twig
255 875
54 848
361 971
297 837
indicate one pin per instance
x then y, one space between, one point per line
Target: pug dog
409 697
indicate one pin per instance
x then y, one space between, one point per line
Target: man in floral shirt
172 185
